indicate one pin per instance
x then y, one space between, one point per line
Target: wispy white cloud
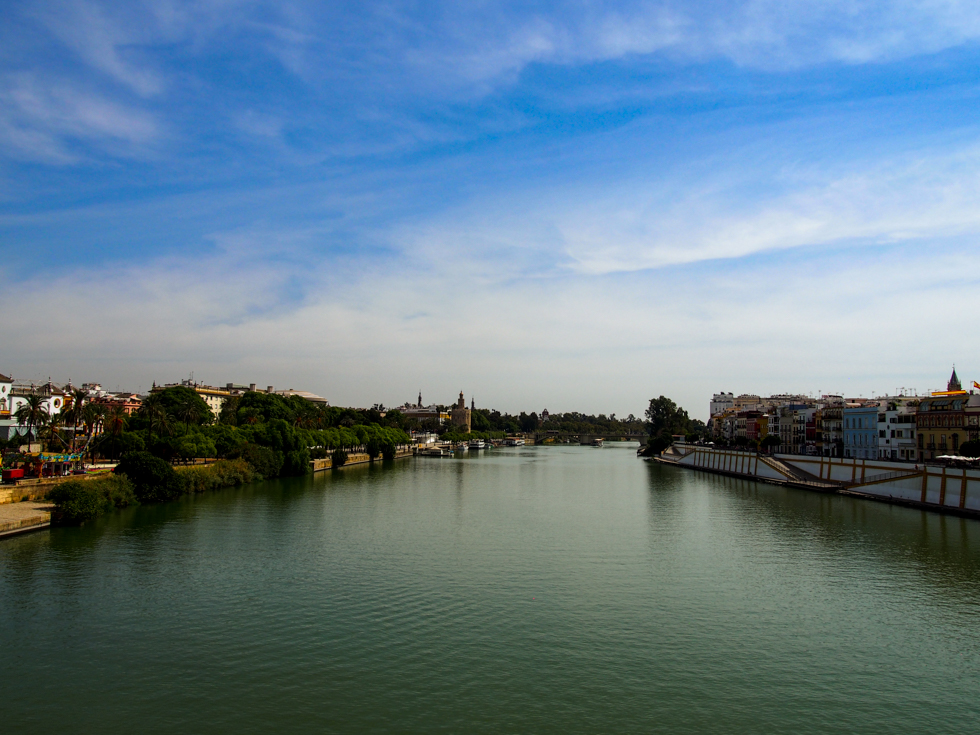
101 39
484 43
40 119
368 332
636 223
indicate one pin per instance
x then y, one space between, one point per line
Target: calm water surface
534 590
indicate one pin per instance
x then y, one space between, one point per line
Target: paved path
26 516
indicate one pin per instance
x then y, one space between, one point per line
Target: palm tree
155 413
114 422
92 416
73 412
31 414
51 427
188 412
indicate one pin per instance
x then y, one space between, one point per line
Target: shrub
223 473
297 462
153 479
265 461
78 501
338 458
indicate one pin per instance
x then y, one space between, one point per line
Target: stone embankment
934 487
356 458
22 517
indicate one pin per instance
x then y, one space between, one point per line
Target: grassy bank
141 478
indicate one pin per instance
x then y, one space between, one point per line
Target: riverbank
22 517
951 490
356 458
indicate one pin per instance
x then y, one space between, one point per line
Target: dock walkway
22 517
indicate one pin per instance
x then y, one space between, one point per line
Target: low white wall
930 484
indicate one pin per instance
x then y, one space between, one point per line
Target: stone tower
461 416
954 382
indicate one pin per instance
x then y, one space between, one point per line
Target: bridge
569 437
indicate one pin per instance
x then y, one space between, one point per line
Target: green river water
528 590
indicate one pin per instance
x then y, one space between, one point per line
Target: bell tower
954 381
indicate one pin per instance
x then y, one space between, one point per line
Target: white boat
477 444
597 442
511 441
434 452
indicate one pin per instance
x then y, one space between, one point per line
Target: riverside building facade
901 427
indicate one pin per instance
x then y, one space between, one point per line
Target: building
831 439
17 393
462 417
746 401
897 428
214 397
941 425
861 431
942 420
756 425
419 412
6 388
130 403
305 395
721 402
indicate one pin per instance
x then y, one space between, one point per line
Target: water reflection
942 552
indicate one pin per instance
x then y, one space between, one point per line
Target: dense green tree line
275 434
490 423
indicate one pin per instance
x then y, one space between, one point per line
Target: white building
6 388
721 402
896 428
16 396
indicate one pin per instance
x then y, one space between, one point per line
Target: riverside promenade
29 515
953 490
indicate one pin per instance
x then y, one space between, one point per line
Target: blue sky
577 205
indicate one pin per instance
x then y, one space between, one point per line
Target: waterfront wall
319 465
932 486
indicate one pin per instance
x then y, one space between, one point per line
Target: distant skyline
573 206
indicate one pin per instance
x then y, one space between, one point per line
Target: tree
92 416
51 429
73 412
31 414
183 403
155 412
663 415
114 421
970 448
769 441
229 411
153 479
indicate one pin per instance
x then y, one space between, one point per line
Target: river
526 590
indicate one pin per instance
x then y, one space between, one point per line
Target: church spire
420 399
954 382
